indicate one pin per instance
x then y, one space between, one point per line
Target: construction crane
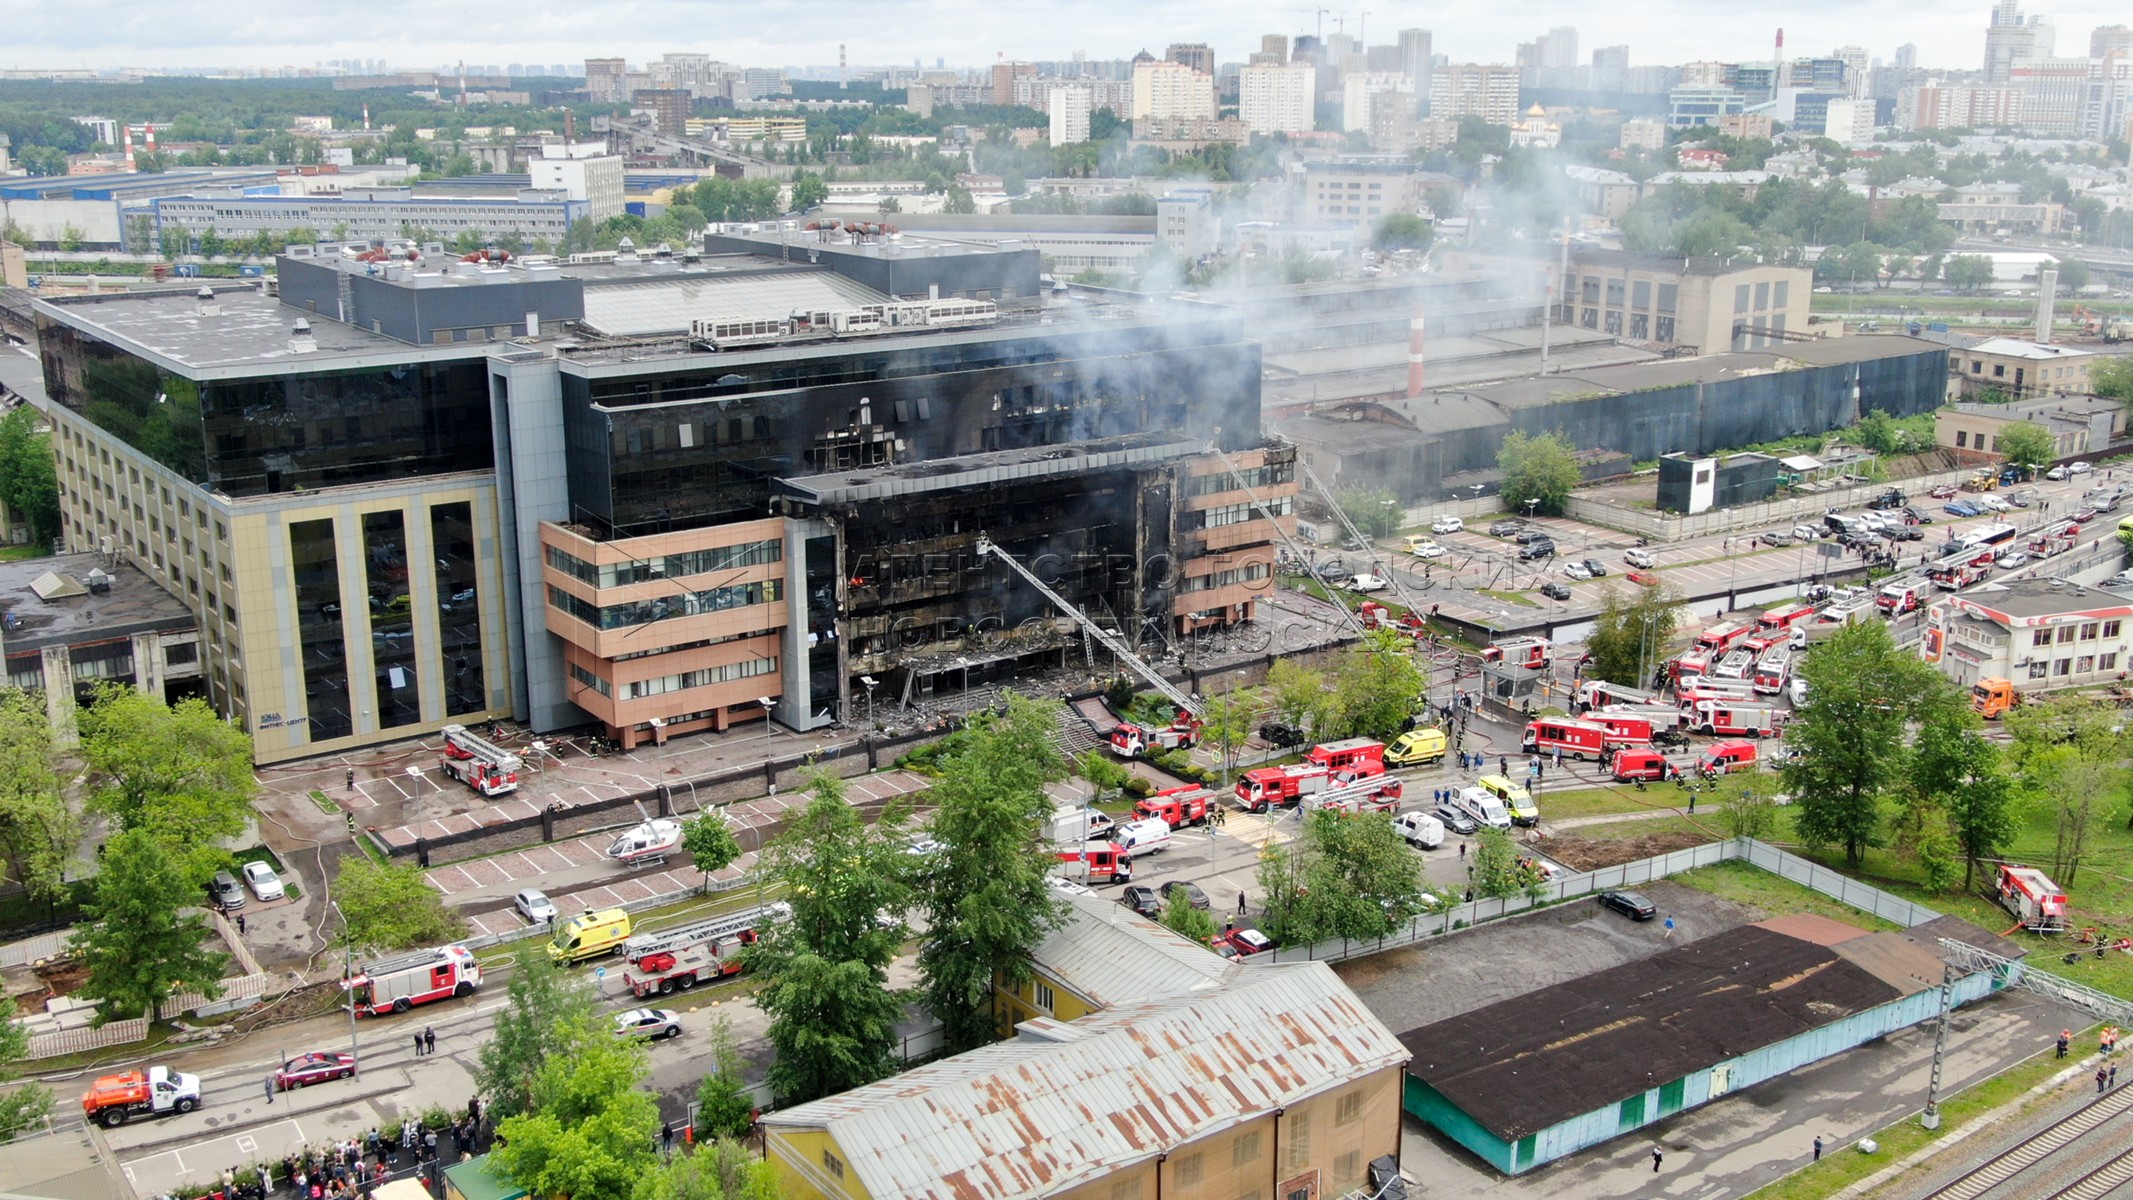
1965 959
1110 641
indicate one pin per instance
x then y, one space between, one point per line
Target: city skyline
107 36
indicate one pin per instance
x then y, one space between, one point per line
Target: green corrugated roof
471 1180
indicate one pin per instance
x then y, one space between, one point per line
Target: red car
1644 578
1943 492
314 1068
1241 943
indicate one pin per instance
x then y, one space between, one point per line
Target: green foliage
40 828
1403 231
1103 772
824 974
2067 752
723 1170
390 906
708 838
1748 815
1631 633
1784 215
1181 918
1301 696
1496 874
1863 691
1348 876
22 1106
987 898
959 201
2112 377
589 1133
1967 272
1878 431
28 480
177 769
2073 274
544 1004
1374 511
724 1109
1226 724
138 949
2022 443
1377 685
1541 468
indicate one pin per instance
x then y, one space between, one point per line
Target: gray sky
111 33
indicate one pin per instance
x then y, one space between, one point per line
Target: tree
543 1003
1879 432
39 828
824 974
708 838
724 1109
1496 865
2025 443
1542 469
1301 695
138 948
1968 272
43 160
1181 918
589 1133
1364 880
390 906
1226 723
1375 512
2073 274
1748 815
22 1105
889 205
1403 231
959 201
2112 377
989 900
1282 877
2066 751
722 1170
178 769
1379 684
1862 691
29 482
1631 633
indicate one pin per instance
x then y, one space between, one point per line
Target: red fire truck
1371 795
1633 728
1355 756
480 764
1728 718
396 984
694 953
1178 806
1100 863
2033 898
1578 739
1784 617
1718 639
1376 616
1772 670
1521 652
1129 740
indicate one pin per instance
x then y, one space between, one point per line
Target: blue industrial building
1534 1078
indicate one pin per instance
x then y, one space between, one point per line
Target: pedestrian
2065 1035
1462 851
1558 766
240 924
1669 927
2114 1074
473 1108
418 1045
1503 764
1818 1147
270 1089
1656 1156
1692 804
666 1138
429 1040
2101 1077
429 1142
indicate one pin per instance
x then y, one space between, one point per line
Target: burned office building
664 491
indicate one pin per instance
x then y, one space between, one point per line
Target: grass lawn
1844 1165
1508 597
324 804
1606 799
19 553
1746 884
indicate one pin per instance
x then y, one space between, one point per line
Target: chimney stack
2047 293
1414 354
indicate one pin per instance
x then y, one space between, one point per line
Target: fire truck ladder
480 749
1339 797
1251 494
709 930
1370 548
1110 642
1965 959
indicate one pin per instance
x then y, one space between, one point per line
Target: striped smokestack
1414 354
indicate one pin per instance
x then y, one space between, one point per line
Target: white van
1073 826
1421 830
1143 837
1482 805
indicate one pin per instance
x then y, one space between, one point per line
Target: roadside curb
334 1099
1930 1149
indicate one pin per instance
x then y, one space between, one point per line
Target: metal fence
77 1041
1672 527
1430 926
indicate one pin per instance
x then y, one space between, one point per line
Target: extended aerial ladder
1962 958
1109 640
710 930
479 763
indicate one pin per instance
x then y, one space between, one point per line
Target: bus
1986 535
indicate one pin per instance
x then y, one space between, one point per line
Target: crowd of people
350 1168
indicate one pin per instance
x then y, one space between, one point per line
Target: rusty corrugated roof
1812 927
1033 1117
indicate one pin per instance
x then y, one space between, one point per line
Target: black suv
1506 527
1143 900
1555 591
1281 733
1539 547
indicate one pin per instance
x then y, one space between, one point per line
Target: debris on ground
1590 854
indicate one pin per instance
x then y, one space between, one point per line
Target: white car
264 883
1428 550
2079 468
1369 583
1640 558
1446 525
2122 579
1807 533
1577 570
2010 560
1994 503
534 905
2056 473
651 1024
924 847
1067 887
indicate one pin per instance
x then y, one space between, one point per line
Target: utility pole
355 1054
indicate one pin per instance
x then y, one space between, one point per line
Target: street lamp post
355 1054
870 684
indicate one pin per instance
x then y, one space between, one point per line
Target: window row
666 566
637 689
666 608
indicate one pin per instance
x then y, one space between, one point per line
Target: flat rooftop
2025 601
976 470
1710 368
1533 1061
134 605
251 330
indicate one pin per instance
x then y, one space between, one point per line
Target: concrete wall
46 221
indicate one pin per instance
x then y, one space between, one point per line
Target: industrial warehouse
1532 1079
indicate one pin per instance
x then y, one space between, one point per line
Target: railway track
2100 1182
2018 1158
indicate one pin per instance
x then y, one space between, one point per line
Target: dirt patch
1590 854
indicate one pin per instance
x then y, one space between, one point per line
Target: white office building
1172 91
594 178
1278 99
1357 90
1070 115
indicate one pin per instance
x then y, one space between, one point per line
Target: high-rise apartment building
603 78
1610 68
1855 60
1959 106
1485 90
669 108
2055 93
1003 79
1171 91
1278 99
2010 39
1197 55
1416 58
1359 90
2107 40
1907 57
1274 47
1069 110
1560 51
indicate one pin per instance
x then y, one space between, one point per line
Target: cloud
108 33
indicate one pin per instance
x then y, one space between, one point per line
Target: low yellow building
1106 955
1277 1083
2018 369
